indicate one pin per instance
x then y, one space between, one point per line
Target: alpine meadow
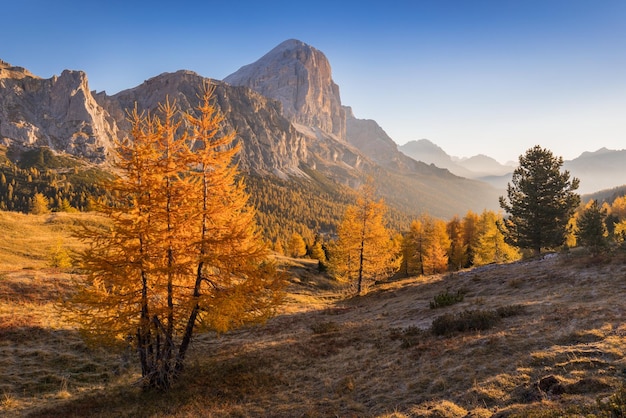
192 247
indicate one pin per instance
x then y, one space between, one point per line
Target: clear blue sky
492 77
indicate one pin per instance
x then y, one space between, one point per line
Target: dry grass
30 241
327 355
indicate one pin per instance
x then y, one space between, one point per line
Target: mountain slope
602 169
365 149
270 142
474 167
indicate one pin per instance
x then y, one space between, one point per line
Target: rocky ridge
59 112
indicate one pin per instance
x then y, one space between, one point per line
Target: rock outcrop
59 112
299 76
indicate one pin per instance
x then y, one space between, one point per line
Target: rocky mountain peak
299 76
9 71
59 112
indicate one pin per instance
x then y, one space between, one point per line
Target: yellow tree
39 204
183 253
438 245
365 250
426 246
618 208
490 246
297 246
457 251
414 248
470 236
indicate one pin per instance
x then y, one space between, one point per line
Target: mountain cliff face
299 76
270 143
59 112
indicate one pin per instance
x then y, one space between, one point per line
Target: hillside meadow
537 338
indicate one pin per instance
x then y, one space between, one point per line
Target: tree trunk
182 350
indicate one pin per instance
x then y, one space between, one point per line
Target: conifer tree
183 253
491 247
541 201
470 236
414 247
426 246
364 250
297 246
39 204
317 250
618 208
592 231
278 247
319 253
438 244
457 251
619 232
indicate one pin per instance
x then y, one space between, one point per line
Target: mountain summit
299 76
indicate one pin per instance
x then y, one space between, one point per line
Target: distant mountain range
288 114
599 170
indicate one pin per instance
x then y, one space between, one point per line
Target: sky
493 77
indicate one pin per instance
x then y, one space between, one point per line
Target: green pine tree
541 201
591 227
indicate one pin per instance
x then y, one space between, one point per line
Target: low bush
472 320
324 327
615 405
446 299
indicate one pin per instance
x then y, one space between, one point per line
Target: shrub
615 405
324 327
511 310
446 299
472 320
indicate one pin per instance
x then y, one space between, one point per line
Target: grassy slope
331 356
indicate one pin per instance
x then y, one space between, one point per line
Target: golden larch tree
457 252
438 245
365 250
426 246
414 247
297 246
39 204
470 236
490 246
183 253
618 208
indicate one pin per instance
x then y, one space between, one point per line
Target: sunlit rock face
299 76
270 143
59 112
